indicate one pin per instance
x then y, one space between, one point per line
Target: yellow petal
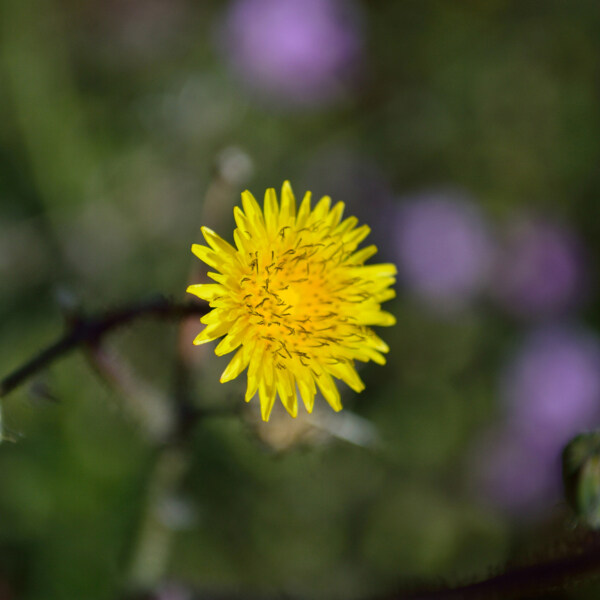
254 370
304 211
375 317
202 338
374 271
266 369
232 340
333 218
211 332
210 257
345 226
348 375
365 354
377 343
216 242
287 392
288 204
225 280
241 220
267 394
271 212
236 365
358 258
251 207
353 238
308 395
242 242
385 295
217 315
206 291
329 390
321 209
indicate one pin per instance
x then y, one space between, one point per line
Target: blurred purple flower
540 270
515 474
443 247
551 391
552 385
299 50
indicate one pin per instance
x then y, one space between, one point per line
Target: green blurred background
127 125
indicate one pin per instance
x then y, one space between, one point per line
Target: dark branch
531 581
581 564
89 330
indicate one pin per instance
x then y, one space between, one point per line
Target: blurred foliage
124 130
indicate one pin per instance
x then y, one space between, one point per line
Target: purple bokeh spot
551 392
539 271
552 386
516 474
443 247
300 50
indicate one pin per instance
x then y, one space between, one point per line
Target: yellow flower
295 298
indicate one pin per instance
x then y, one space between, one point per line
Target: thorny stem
89 330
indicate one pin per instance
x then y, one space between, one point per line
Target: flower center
290 298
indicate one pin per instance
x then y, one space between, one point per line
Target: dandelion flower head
294 299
